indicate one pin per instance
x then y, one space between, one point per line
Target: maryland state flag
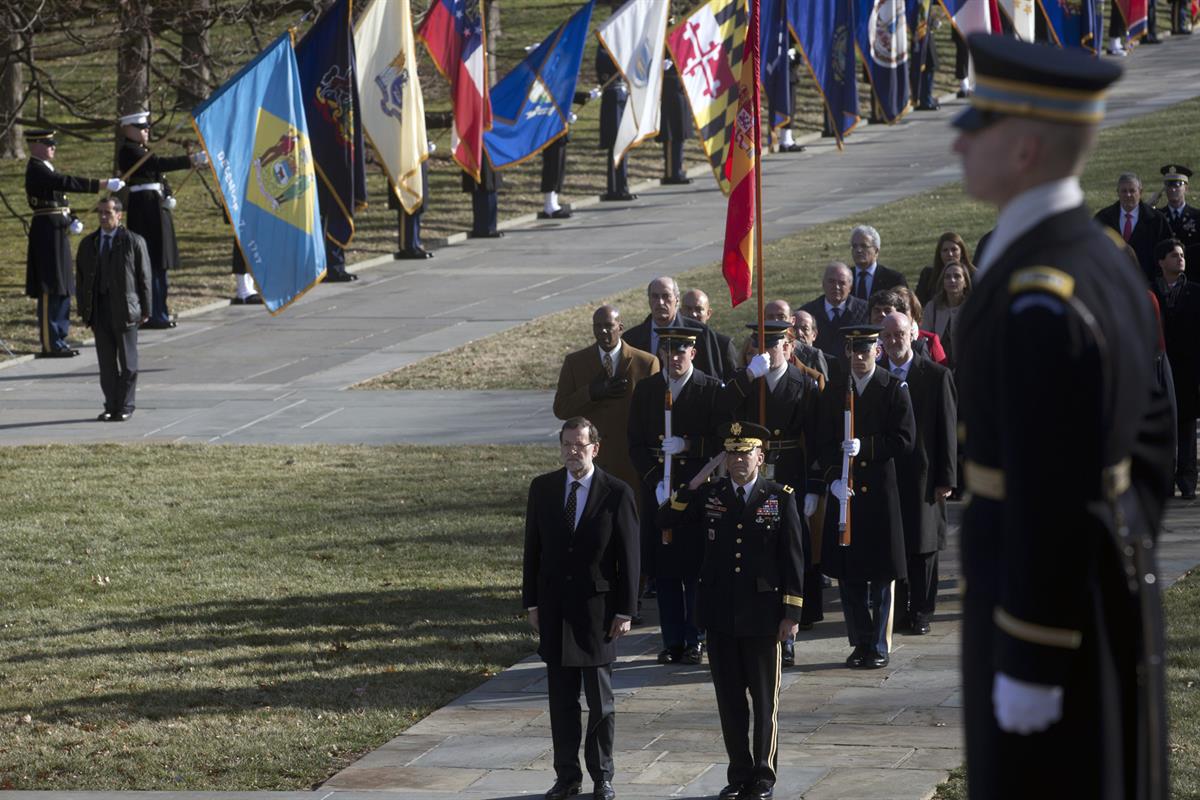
256 136
707 49
737 264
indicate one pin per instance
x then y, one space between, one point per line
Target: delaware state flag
254 131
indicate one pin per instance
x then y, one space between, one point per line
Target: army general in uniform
1068 453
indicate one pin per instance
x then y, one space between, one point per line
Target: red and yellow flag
738 261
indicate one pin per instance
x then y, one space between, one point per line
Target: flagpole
758 220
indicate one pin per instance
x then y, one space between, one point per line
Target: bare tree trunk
492 12
133 58
195 73
11 145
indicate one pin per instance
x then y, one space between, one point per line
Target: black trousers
483 211
741 666
116 352
566 726
917 596
618 176
335 258
1185 455
410 229
673 159
962 56
54 321
868 609
554 166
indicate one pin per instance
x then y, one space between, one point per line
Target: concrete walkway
234 374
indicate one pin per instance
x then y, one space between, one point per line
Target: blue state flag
881 35
326 60
530 105
824 34
774 64
254 131
1077 24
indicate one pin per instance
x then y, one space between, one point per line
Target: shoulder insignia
1114 237
788 489
1042 279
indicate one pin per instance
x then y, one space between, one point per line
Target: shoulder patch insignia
788 489
1042 279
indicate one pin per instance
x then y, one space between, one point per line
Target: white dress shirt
581 494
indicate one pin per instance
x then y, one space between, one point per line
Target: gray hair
1129 177
838 265
668 279
869 232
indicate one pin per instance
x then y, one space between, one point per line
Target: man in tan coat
597 382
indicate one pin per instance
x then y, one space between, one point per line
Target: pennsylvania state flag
531 104
254 131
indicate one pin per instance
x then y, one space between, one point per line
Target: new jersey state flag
254 131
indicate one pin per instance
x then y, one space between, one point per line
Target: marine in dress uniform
148 210
580 587
409 225
1067 437
49 277
483 201
554 166
926 475
675 126
790 420
1183 218
884 430
673 560
612 105
751 595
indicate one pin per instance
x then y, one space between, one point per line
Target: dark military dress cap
676 337
40 136
774 330
1175 172
742 437
1034 81
861 337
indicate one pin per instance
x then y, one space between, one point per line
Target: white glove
76 226
839 490
115 184
594 92
851 447
1025 708
673 445
759 365
431 147
792 53
199 158
169 203
667 64
660 493
571 118
810 504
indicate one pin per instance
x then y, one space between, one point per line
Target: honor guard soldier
751 594
554 165
675 126
867 554
791 408
409 225
49 272
1067 453
484 200
673 561
148 210
613 97
1183 218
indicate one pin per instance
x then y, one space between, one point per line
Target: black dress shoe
678 180
857 659
1151 40
485 235
254 300
563 789
730 792
157 325
636 619
791 148
876 660
69 353
561 213
603 790
757 790
412 253
340 277
934 106
671 655
789 655
237 301
963 93
104 417
693 655
618 197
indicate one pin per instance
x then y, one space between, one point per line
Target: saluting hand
708 469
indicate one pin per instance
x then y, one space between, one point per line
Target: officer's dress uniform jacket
884 425
48 265
145 214
1185 226
1068 447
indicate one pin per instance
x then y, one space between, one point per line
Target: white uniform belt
147 187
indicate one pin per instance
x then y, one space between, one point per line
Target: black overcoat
48 266
144 211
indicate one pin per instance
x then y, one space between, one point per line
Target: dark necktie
608 364
741 495
860 290
1127 230
569 511
837 314
105 244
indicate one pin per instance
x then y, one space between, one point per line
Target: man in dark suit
874 559
580 589
869 275
694 305
1179 302
663 295
836 309
1138 224
48 274
927 474
1183 219
113 279
673 561
597 382
1068 453
753 584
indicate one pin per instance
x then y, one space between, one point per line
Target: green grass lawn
246 617
205 241
909 229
